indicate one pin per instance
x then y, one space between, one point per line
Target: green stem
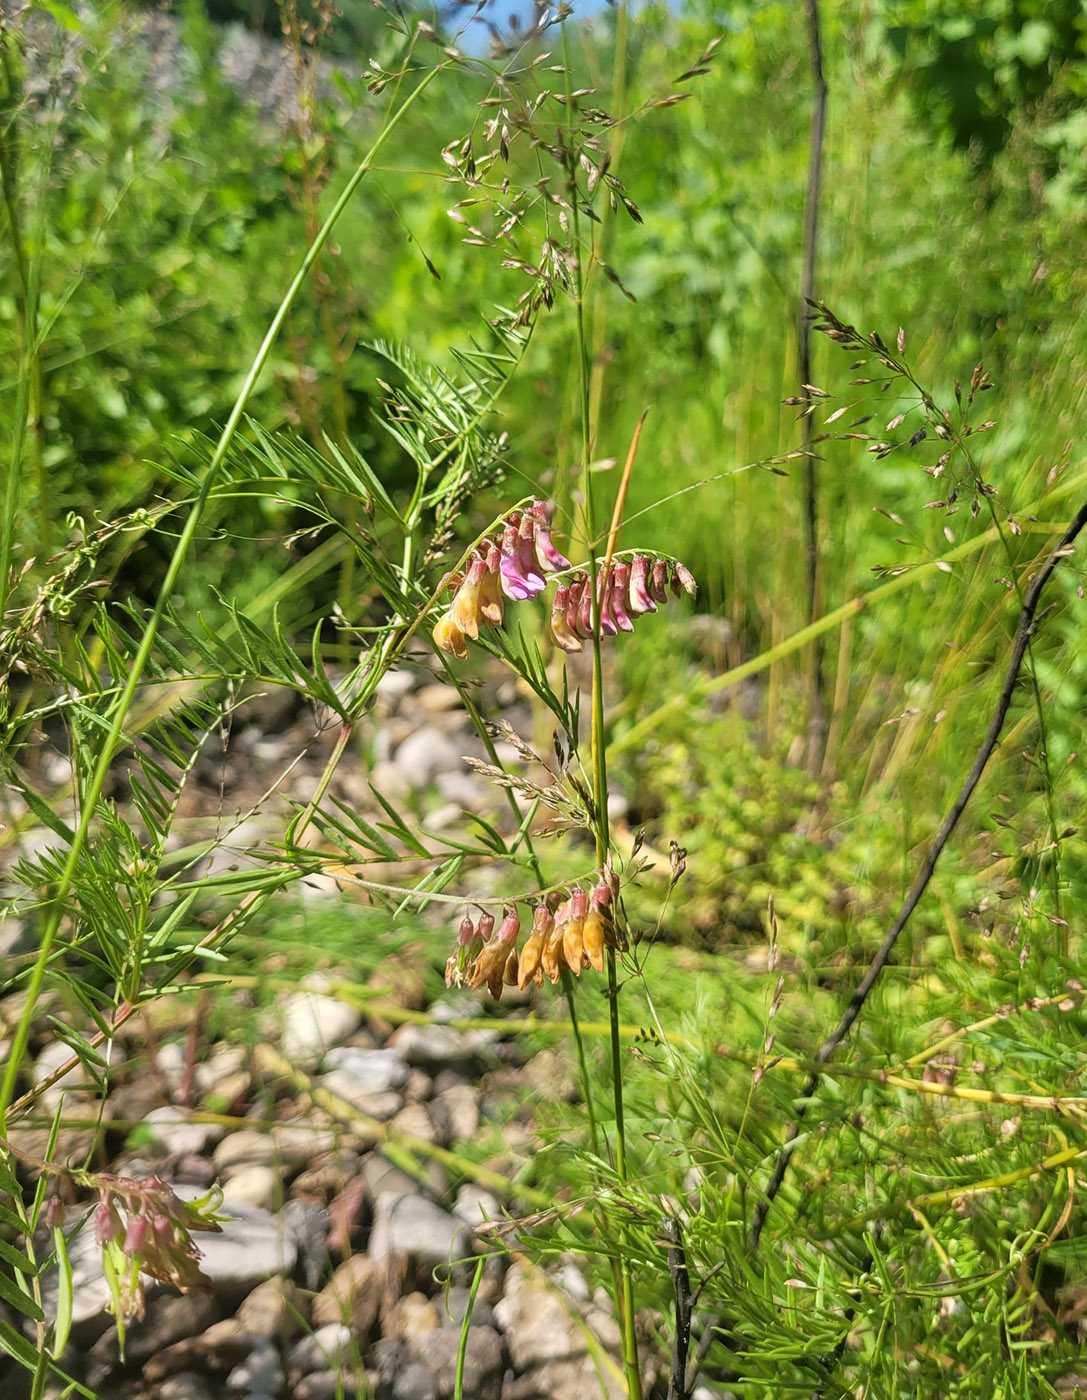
624 1280
112 741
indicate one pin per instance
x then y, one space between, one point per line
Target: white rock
425 754
287 1145
313 1024
261 1371
327 1349
175 1134
255 1186
374 1070
414 1226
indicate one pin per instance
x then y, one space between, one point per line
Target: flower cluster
513 564
142 1227
624 589
566 932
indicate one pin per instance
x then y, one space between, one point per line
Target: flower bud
683 578
548 556
515 585
560 631
617 596
466 934
510 926
640 601
491 603
465 607
449 638
486 927
658 581
135 1236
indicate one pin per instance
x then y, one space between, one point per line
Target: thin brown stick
681 1287
621 494
920 884
817 703
715 1327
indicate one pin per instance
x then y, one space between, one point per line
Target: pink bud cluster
512 564
570 931
142 1227
624 590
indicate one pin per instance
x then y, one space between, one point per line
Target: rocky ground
339 1271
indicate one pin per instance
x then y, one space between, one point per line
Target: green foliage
926 1238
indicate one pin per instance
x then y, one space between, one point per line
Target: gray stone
422 1367
546 1345
329 1348
476 1206
223 1063
256 1186
262 1370
307 1224
313 1023
382 1105
253 1245
353 1294
415 1122
217 1349
410 1315
454 1306
425 754
174 1133
456 1111
274 1309
381 1175
321 1385
374 1071
14 938
463 791
437 1047
186 1385
417 1228
287 1145
392 687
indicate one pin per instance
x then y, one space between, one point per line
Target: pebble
424 754
329 1348
546 1345
456 1111
455 1306
381 1175
411 1315
287 1145
312 1024
275 1309
262 1370
374 1071
253 1245
416 1227
256 1186
186 1385
174 1134
438 1047
414 1121
383 1105
424 1365
353 1295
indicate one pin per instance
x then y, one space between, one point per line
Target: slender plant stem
112 740
817 703
924 875
624 1278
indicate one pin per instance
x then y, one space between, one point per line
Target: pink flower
640 601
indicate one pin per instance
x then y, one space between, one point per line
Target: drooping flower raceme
513 565
625 590
570 932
